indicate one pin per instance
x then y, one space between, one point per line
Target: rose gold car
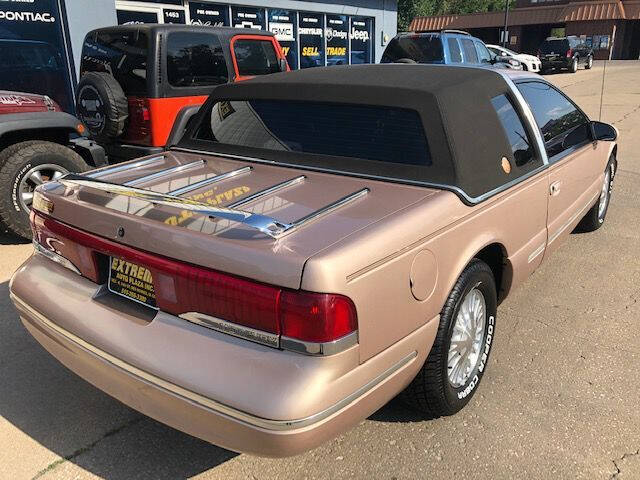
317 243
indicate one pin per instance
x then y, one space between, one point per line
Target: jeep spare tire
102 105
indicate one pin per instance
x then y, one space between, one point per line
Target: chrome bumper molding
200 400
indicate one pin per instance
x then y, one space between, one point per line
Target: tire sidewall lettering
482 364
15 187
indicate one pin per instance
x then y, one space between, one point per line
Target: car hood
19 102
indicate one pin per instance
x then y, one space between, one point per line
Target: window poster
311 32
173 15
337 33
131 17
209 14
247 17
361 40
283 24
33 51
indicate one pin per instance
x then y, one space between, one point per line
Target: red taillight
316 317
570 53
139 121
184 288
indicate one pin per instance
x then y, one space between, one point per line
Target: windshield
419 48
554 46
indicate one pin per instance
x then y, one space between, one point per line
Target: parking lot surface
560 398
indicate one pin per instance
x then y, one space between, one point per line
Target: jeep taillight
139 121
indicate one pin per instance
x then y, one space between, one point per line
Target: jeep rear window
419 48
382 134
554 46
122 54
195 60
255 57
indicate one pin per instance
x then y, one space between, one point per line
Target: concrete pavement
560 398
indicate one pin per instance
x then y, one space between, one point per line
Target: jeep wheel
589 63
23 167
457 361
102 105
574 66
594 218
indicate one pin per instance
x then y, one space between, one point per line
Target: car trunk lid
329 208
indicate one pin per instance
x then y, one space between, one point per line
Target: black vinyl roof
466 139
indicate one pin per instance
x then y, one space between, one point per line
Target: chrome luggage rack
263 223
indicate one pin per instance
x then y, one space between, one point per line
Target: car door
574 170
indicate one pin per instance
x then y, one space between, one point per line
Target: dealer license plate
132 281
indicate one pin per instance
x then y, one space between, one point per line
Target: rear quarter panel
373 266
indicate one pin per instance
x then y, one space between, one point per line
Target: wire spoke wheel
466 340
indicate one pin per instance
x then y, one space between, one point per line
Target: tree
408 9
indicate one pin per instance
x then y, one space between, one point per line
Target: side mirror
604 131
283 64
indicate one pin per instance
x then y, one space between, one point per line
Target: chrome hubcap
466 340
37 176
604 195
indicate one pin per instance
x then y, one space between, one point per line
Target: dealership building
312 33
611 27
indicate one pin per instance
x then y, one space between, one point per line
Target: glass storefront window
247 17
131 17
337 32
34 58
209 14
284 25
174 15
311 31
361 40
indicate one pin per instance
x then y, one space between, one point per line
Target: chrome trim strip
572 219
202 401
208 181
319 349
162 173
326 210
536 253
123 166
55 257
240 331
267 191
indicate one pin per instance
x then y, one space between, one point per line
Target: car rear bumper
263 401
561 63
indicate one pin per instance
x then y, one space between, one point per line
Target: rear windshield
195 60
255 57
123 54
554 46
421 49
380 134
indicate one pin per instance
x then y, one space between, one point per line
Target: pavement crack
627 115
615 461
86 448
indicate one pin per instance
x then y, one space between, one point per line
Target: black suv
565 53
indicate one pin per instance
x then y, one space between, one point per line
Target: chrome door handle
554 188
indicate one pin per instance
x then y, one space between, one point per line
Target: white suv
529 62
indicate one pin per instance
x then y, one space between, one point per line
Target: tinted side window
563 126
483 53
122 54
419 48
195 60
470 55
521 145
454 50
255 57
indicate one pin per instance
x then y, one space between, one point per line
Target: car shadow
8 238
52 406
396 411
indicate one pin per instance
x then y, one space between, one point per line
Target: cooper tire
17 165
432 391
102 105
574 66
595 217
